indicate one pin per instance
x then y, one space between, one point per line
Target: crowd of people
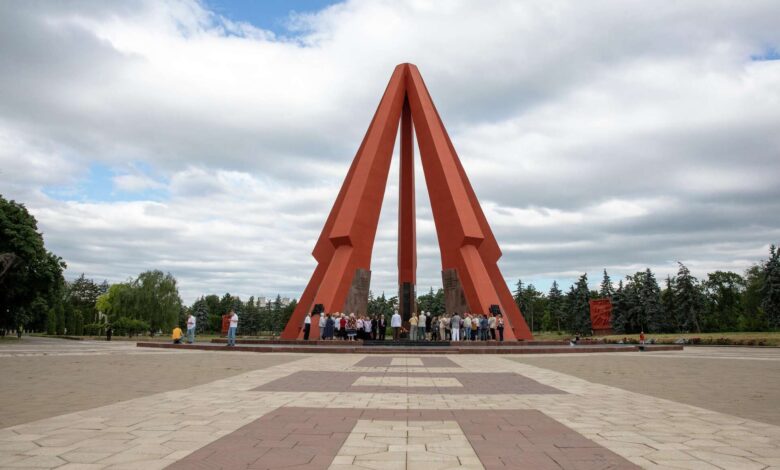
421 327
347 327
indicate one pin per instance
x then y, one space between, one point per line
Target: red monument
469 251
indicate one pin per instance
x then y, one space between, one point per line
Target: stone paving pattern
463 383
49 378
734 380
318 439
162 429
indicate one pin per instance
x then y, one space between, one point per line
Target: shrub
129 326
94 329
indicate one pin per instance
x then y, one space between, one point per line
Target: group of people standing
469 327
347 327
192 322
422 327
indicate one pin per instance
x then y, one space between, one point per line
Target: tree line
722 301
35 296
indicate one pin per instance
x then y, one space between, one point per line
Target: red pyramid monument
469 251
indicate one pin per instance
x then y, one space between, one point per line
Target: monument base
357 298
454 297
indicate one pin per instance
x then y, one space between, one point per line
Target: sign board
601 315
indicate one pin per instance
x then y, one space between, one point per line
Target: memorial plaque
454 298
357 298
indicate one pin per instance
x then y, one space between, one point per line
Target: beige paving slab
161 428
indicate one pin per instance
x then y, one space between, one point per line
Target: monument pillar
407 232
469 251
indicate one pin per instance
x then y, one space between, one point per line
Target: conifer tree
668 305
579 306
555 305
689 300
653 314
633 305
200 311
518 296
607 290
618 319
770 290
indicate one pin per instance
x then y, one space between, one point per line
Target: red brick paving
473 383
309 438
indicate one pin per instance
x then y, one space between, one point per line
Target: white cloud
598 134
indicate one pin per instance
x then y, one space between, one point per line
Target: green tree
157 300
518 296
689 300
432 302
534 305
555 313
579 306
723 291
200 310
606 286
620 308
770 290
654 317
668 305
117 302
82 296
215 313
30 276
753 317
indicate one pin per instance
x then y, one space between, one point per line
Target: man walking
191 321
232 329
395 324
421 322
322 325
455 327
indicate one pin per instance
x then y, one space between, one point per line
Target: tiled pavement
410 415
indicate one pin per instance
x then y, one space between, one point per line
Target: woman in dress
351 327
329 327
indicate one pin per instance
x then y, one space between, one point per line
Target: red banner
601 314
225 323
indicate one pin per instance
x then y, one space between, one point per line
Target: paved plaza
96 405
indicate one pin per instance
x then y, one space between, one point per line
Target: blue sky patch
99 185
269 15
770 53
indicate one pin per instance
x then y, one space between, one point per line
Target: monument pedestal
454 297
357 298
407 301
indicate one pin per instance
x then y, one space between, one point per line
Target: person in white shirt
367 325
395 324
455 327
306 326
360 328
233 328
421 326
191 321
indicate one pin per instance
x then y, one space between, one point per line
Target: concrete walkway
393 412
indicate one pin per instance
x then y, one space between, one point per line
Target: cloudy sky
210 138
